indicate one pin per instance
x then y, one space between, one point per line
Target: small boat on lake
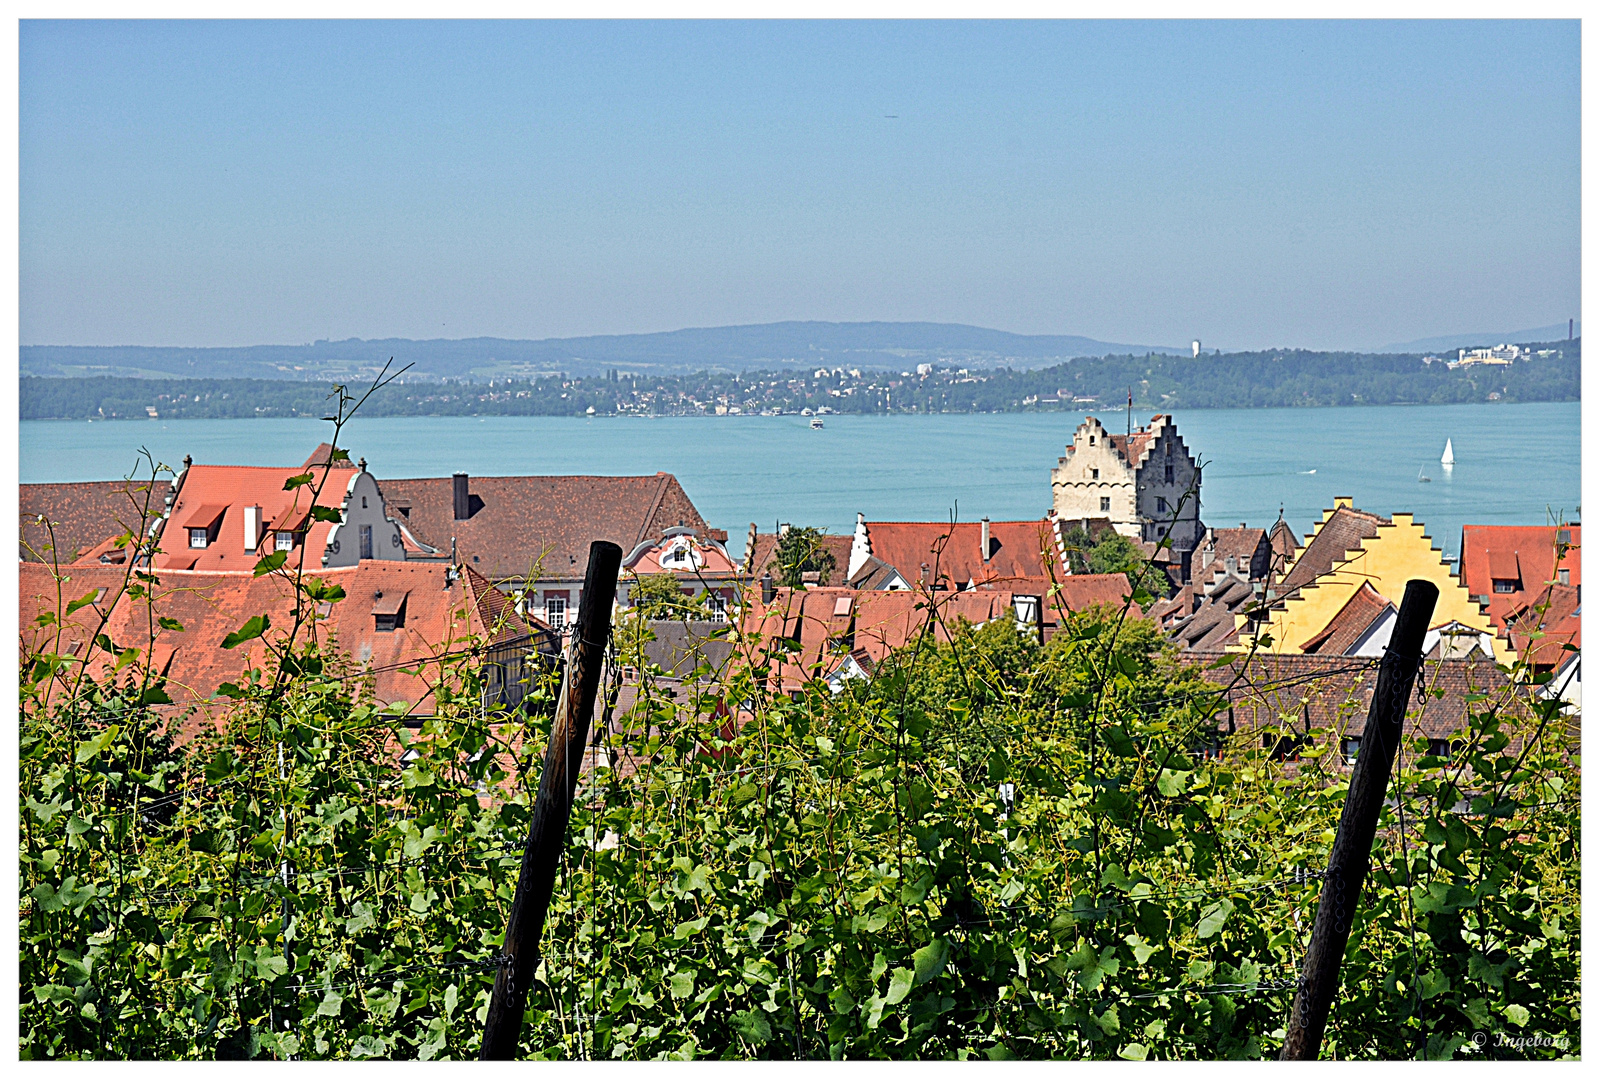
1423 477
816 423
1448 460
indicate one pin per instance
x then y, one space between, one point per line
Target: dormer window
199 538
1505 585
283 540
389 611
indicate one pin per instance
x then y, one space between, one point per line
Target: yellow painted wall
1401 551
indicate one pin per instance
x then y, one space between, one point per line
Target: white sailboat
1423 477
1449 458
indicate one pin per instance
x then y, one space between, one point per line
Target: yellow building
1348 549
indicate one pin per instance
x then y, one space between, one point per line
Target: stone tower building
1136 481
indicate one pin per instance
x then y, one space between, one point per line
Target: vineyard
992 848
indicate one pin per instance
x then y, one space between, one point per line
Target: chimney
767 589
985 539
252 527
459 492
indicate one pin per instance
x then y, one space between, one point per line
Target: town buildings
1350 561
1146 482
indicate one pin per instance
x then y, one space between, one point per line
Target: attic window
1505 585
283 540
1283 747
405 512
389 611
1349 747
1564 576
1563 536
199 538
1091 440
1094 474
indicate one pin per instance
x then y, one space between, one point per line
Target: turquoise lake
1515 464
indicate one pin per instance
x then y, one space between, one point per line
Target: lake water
1514 463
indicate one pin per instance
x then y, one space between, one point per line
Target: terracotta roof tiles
84 516
519 524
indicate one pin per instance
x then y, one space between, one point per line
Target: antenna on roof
1130 412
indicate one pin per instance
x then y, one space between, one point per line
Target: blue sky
1251 184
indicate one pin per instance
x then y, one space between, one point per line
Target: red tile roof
438 616
953 553
1335 692
874 625
84 516
209 494
1560 624
1339 535
1248 547
759 556
1522 553
519 523
320 455
1353 620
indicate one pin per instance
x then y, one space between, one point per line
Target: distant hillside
725 348
1553 332
1232 380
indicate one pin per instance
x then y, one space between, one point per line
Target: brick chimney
985 539
459 492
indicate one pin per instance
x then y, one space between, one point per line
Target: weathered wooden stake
1352 847
563 760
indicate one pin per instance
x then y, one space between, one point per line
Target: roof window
389 612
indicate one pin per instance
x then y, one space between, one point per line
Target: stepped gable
320 456
955 552
1352 621
517 523
1523 554
85 516
1340 532
758 556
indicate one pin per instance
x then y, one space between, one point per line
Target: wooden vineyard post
1358 824
558 782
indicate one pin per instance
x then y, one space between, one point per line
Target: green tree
661 596
800 550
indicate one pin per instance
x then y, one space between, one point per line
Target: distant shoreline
1139 410
1161 383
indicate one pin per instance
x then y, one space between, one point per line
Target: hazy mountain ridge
729 348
